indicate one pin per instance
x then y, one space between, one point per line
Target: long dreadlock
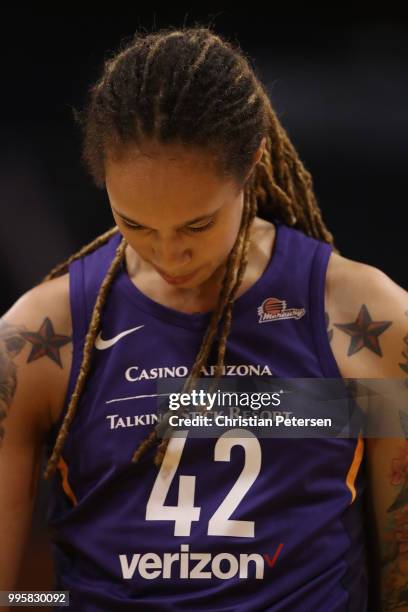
188 85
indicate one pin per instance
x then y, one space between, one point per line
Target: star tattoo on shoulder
45 342
364 332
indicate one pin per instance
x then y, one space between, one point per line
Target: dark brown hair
190 86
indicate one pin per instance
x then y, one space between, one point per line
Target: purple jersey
235 524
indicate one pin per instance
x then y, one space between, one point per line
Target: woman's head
190 89
177 126
175 209
181 87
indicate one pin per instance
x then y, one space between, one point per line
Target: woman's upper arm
369 318
35 343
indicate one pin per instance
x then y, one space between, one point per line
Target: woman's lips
176 280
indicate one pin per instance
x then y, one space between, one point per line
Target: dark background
338 84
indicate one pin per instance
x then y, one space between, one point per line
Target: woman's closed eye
200 228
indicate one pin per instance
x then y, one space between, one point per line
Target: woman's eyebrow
129 220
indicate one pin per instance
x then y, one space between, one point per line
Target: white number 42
185 512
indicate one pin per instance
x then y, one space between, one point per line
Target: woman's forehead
139 183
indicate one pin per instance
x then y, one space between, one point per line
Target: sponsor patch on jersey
274 309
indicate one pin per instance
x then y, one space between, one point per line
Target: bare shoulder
36 344
349 282
46 304
367 317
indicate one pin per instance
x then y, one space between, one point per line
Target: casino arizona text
134 373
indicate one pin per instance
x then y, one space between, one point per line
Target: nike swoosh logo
105 344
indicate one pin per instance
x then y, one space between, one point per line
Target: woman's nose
170 255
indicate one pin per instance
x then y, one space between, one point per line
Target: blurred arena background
339 86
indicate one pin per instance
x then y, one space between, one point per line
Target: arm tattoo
395 544
45 342
404 366
329 331
364 332
11 344
12 340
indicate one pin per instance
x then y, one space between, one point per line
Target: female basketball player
219 265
